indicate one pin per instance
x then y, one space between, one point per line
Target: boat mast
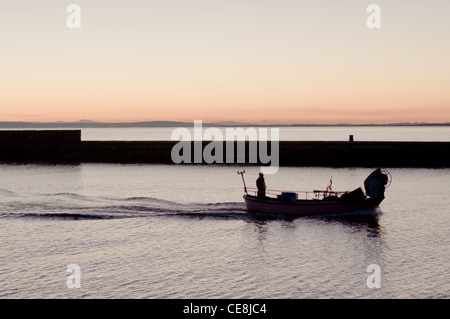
243 180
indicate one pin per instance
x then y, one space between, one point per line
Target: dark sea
173 232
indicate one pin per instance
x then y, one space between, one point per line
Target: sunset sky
261 61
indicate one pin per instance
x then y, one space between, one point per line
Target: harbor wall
67 147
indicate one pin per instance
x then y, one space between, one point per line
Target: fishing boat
319 202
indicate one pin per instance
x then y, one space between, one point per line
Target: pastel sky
261 61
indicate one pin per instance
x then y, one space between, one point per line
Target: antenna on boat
243 180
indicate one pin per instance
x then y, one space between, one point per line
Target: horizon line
170 123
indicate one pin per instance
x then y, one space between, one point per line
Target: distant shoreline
92 124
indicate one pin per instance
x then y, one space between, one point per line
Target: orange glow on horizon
245 61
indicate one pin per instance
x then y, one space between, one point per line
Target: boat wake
74 206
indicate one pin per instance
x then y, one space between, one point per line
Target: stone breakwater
66 146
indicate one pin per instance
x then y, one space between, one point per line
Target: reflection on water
367 223
355 221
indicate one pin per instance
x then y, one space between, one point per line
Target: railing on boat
316 194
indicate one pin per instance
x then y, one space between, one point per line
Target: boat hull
308 207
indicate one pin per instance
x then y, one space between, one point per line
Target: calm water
379 133
155 231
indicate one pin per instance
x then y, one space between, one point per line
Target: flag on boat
331 183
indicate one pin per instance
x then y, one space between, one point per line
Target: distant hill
94 124
91 124
386 124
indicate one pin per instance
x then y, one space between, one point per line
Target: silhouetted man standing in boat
261 185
